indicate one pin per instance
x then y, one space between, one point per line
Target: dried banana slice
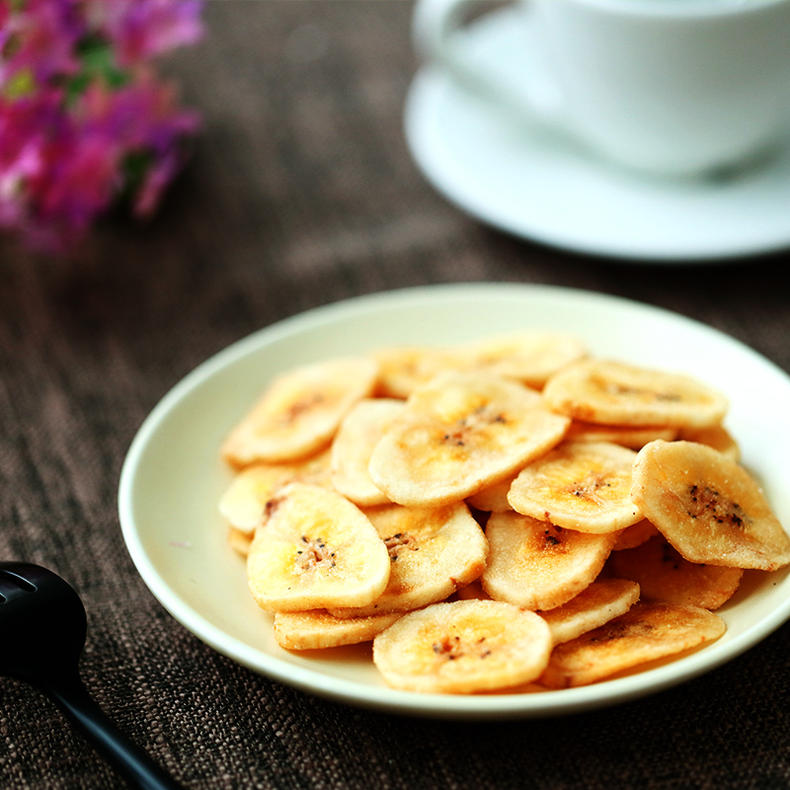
239 541
536 565
578 485
529 356
633 436
599 603
615 393
314 550
432 550
717 437
403 369
644 633
664 575
300 411
493 498
317 629
635 535
244 500
463 647
709 508
359 433
459 433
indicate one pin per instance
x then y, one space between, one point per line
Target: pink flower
143 29
42 37
83 117
79 183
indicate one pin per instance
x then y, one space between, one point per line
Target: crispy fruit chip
239 541
463 647
579 485
359 433
458 434
314 550
317 629
635 535
432 552
709 508
717 437
646 632
599 603
493 498
664 575
403 369
633 436
615 393
530 356
536 565
243 502
300 411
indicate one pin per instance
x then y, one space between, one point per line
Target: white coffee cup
677 87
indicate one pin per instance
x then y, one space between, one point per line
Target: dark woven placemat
301 192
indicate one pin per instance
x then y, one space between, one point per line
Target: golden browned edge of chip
351 631
575 663
239 541
635 535
664 575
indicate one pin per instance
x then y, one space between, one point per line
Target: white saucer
532 185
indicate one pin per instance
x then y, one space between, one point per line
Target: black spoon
43 628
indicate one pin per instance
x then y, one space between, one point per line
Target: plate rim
314 681
430 78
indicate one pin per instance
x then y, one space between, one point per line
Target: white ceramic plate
172 477
533 184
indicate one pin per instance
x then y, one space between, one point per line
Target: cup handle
435 25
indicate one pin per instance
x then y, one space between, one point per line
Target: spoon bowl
43 628
42 621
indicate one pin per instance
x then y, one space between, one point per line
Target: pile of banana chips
500 515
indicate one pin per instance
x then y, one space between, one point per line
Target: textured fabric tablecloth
301 192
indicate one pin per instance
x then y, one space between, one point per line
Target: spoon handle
139 770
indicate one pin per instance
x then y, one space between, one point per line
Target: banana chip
239 541
633 436
244 501
536 565
432 552
463 647
493 498
403 369
717 437
317 629
635 535
300 411
314 550
615 393
531 356
664 575
359 433
644 633
597 604
459 433
579 485
709 508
